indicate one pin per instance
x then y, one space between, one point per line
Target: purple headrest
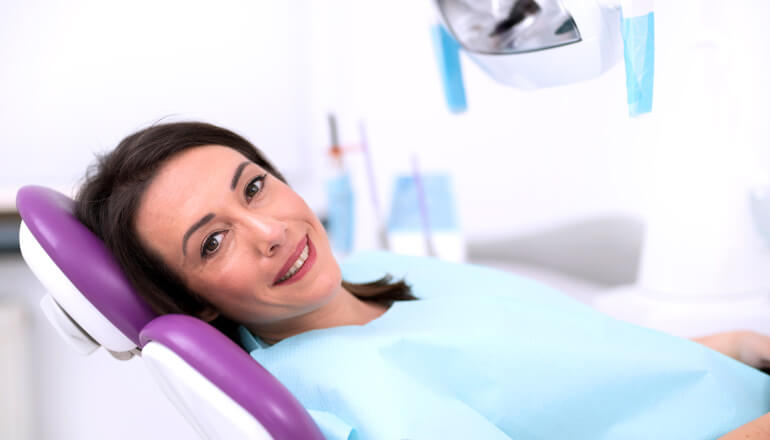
236 373
83 258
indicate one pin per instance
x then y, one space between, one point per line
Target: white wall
78 76
15 405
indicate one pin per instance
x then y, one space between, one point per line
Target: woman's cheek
330 281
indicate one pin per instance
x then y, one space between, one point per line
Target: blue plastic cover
639 53
340 214
405 212
448 55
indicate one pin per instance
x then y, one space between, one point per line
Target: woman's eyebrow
206 218
237 175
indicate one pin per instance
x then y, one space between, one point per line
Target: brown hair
108 200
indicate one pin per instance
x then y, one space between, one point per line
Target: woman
204 225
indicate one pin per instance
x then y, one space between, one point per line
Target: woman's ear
208 314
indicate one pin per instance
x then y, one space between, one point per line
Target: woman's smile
298 264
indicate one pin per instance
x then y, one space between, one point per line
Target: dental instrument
382 231
422 204
340 196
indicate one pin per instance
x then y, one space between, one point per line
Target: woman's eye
211 244
254 187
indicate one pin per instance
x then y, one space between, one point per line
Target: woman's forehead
186 174
186 187
204 154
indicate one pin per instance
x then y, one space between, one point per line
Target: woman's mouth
298 264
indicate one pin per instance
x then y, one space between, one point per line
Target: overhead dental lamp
531 44
705 263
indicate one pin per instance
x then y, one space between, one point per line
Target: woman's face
238 236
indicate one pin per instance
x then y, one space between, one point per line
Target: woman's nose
268 233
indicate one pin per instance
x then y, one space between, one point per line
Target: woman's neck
343 309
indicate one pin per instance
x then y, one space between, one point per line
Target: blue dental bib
485 355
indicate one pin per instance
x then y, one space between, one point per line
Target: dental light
706 257
531 44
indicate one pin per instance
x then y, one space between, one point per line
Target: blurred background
548 183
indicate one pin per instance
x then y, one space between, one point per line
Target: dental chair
218 387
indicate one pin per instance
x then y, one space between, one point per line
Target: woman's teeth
297 264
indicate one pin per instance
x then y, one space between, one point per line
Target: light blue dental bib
487 355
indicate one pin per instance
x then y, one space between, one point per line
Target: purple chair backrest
81 274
